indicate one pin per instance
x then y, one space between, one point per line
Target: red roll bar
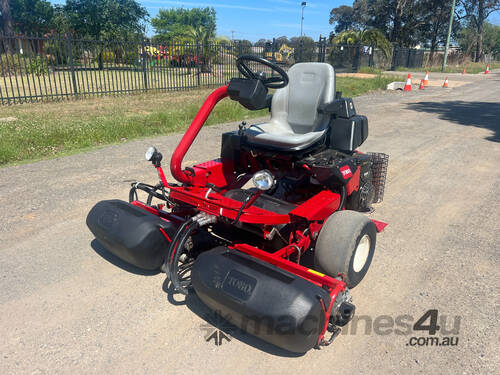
192 132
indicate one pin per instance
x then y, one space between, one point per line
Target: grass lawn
41 130
60 83
470 68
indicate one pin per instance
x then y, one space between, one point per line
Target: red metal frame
192 132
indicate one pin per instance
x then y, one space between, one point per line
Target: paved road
67 306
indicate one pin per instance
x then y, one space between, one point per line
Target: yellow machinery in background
282 56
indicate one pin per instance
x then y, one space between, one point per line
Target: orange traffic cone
487 69
408 83
421 87
426 79
445 84
463 72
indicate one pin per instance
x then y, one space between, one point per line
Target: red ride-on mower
272 234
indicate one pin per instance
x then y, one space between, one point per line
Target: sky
253 20
256 19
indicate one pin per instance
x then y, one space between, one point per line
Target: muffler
261 299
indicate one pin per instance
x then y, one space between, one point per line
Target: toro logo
346 172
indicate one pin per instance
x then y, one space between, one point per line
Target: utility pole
302 19
449 34
232 34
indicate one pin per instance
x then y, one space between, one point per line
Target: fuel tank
260 298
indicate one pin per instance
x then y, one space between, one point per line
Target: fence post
395 52
198 61
370 59
273 49
322 49
239 54
71 65
319 48
355 61
144 73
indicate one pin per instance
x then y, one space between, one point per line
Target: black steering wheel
271 82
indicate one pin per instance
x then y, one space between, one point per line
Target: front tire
346 244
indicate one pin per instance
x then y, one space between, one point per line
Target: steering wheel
271 82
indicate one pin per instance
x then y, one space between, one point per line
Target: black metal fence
407 57
34 68
349 58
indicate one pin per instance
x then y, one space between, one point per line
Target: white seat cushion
295 123
263 135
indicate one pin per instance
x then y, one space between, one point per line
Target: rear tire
345 245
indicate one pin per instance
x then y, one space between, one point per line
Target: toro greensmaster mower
274 233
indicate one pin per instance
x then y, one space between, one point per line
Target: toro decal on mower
346 172
235 230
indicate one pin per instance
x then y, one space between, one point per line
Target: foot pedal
335 332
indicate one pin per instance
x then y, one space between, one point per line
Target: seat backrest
311 84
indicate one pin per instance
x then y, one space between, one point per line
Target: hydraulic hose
343 194
175 251
152 193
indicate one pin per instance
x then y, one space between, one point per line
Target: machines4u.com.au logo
429 329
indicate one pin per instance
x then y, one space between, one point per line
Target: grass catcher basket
380 162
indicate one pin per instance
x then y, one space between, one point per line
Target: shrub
108 56
131 57
23 64
37 66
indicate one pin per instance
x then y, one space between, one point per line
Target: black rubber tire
337 242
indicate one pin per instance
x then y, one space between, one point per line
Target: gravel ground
67 306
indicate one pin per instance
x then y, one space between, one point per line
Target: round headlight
263 180
150 153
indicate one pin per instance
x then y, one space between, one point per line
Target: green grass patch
470 68
44 130
369 70
356 86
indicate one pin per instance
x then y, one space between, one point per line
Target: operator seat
295 122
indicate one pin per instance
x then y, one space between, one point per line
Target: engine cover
261 299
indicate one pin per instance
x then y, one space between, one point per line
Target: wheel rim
361 254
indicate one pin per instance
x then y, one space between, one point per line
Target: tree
281 40
244 47
223 39
397 19
475 12
304 48
372 37
60 20
343 18
197 34
467 39
32 16
261 43
110 19
491 39
434 29
6 17
176 22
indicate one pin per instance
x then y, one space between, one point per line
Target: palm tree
198 34
373 37
202 36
